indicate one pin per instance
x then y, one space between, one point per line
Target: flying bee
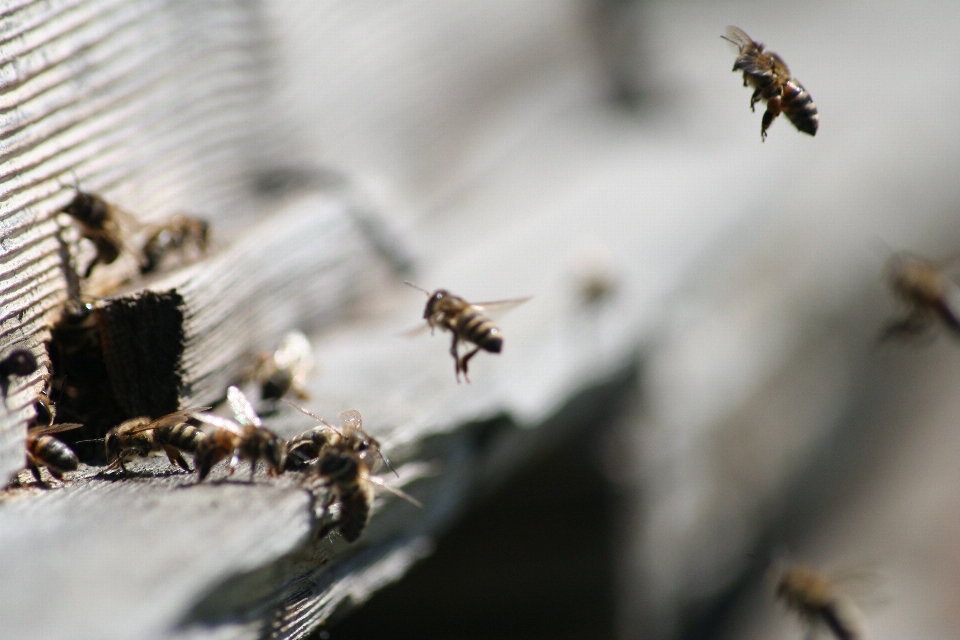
139 437
770 78
310 444
348 476
245 439
929 292
177 234
100 222
814 598
43 450
467 321
286 369
19 363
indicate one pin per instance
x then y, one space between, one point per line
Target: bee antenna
417 287
93 440
314 416
387 462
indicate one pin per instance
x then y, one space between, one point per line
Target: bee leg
234 462
773 110
173 455
253 469
465 360
35 470
754 99
456 356
56 473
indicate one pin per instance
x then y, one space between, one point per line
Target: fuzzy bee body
929 292
347 476
43 450
139 437
311 444
98 222
177 234
813 596
285 370
770 78
307 446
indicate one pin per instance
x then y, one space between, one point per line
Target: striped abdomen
183 436
354 512
798 106
477 328
53 454
306 447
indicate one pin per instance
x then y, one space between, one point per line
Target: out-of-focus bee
43 450
139 437
467 321
815 598
286 369
245 439
770 78
347 475
927 289
99 222
177 234
45 408
310 444
19 363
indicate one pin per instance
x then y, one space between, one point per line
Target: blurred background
763 419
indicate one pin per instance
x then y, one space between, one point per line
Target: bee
46 409
286 369
814 597
244 439
467 322
139 437
178 233
770 78
99 222
310 444
347 475
19 363
927 289
43 450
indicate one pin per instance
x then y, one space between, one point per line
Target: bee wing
294 353
738 37
351 418
500 306
220 422
397 492
171 419
242 409
416 331
43 430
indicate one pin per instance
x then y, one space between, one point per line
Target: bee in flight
310 444
770 78
467 321
347 474
43 450
139 437
285 370
814 598
245 439
929 292
100 222
179 233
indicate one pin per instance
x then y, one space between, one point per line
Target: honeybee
245 439
815 598
18 362
768 74
310 444
467 322
927 289
46 409
99 222
178 233
348 476
43 450
286 369
139 437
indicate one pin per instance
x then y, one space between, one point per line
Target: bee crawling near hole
770 78
141 436
43 450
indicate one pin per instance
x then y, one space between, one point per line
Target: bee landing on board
100 223
347 475
928 291
19 363
245 439
310 444
179 234
770 78
43 450
285 370
139 437
467 321
814 598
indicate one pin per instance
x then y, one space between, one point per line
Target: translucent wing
220 422
242 409
397 492
43 430
351 418
171 419
501 306
416 331
738 37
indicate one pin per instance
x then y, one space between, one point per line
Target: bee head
436 299
112 444
88 208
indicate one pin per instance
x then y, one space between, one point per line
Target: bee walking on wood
467 321
770 78
347 475
929 292
814 597
43 450
139 437
99 222
245 439
19 363
179 233
285 370
310 444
